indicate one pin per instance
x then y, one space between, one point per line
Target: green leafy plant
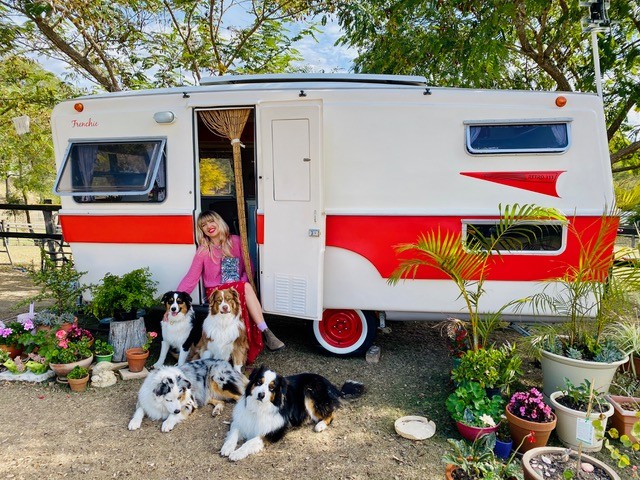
78 372
583 397
490 367
102 347
117 295
468 261
477 459
61 284
469 404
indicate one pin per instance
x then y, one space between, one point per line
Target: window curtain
87 156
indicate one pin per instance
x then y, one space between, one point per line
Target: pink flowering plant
530 406
150 337
16 333
67 347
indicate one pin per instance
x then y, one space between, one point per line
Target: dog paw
167 426
155 366
321 426
134 425
237 455
217 410
227 449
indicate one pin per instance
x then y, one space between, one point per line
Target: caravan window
116 171
532 237
523 137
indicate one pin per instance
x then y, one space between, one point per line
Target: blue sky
323 55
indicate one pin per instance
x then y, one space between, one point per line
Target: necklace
219 247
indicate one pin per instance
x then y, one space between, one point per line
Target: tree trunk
126 334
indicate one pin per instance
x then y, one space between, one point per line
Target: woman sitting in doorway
215 244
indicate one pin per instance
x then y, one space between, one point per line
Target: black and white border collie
272 404
180 331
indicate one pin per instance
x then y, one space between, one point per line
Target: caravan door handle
306 159
314 232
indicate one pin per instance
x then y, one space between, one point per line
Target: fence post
50 228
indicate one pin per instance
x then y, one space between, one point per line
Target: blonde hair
205 242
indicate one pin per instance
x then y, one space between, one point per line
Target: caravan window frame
563 143
488 222
152 177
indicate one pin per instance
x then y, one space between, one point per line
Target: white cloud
324 55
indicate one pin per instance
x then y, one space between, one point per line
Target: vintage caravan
337 170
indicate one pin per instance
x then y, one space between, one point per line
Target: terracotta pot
448 472
67 326
13 350
471 433
520 428
531 473
567 426
62 369
78 384
622 419
136 359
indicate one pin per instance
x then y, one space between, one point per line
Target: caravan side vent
291 294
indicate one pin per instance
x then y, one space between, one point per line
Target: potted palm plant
468 261
588 298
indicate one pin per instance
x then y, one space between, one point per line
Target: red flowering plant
457 335
530 406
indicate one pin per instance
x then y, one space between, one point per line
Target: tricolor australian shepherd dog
272 404
172 393
180 331
224 335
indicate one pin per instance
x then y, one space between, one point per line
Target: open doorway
217 182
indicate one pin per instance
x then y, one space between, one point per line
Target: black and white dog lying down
172 393
272 404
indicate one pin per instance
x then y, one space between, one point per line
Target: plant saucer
415 428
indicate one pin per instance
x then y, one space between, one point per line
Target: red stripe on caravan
374 238
156 229
536 181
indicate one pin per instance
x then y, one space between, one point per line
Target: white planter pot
574 429
555 368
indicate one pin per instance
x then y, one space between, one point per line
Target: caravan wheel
346 332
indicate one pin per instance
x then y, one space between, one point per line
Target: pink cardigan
203 266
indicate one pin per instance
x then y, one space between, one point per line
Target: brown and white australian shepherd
224 335
272 404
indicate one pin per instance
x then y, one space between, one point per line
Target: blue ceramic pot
503 449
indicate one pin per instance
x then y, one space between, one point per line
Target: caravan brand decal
536 181
88 123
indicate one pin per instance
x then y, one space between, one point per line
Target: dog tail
351 389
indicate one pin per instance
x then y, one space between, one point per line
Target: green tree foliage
127 44
26 161
521 44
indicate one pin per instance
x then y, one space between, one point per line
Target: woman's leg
255 312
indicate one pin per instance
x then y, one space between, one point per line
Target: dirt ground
48 432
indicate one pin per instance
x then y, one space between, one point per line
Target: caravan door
293 221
